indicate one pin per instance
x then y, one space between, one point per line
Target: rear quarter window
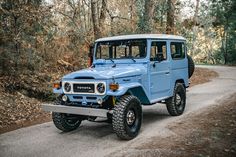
177 50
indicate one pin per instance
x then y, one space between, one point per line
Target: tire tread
170 102
118 116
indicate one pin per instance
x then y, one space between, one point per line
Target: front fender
135 89
57 91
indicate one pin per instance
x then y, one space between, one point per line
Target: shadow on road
100 130
150 117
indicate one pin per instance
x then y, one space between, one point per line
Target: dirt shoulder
211 132
202 75
18 110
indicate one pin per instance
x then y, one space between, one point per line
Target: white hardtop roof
142 36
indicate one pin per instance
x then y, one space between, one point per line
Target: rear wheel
127 117
65 122
176 104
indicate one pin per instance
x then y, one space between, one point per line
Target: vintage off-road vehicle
126 72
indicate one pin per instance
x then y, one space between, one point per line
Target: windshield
121 49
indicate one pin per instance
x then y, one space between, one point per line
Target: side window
177 50
158 50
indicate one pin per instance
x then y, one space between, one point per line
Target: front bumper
76 110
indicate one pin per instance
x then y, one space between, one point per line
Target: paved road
98 139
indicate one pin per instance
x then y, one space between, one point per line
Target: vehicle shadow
151 115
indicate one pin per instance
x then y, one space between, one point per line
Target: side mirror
90 55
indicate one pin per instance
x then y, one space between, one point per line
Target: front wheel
65 122
127 117
176 104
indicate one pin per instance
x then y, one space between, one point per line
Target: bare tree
94 11
195 17
194 26
148 15
98 20
170 24
102 17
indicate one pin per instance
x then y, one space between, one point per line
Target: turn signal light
114 86
57 85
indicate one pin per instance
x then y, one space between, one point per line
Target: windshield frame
127 57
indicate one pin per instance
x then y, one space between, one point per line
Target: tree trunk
17 43
94 12
226 41
98 21
148 15
226 48
195 17
170 24
102 17
195 28
89 19
131 11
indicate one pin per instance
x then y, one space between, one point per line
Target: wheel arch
135 89
180 81
139 93
184 81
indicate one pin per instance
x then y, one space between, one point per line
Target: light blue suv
126 72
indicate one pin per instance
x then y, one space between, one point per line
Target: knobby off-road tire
176 104
127 117
65 122
191 66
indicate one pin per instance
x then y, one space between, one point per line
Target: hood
108 72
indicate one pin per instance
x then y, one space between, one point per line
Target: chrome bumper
76 110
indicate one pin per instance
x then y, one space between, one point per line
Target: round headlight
101 87
67 87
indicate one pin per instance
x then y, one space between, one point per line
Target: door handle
167 72
154 64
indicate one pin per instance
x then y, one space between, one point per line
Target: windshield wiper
114 64
131 57
111 60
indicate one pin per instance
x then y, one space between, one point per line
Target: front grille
83 88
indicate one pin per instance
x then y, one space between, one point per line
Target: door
159 71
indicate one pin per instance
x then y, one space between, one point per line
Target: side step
76 110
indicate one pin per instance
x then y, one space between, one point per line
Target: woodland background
36 34
41 40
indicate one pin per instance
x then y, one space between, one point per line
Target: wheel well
180 81
139 93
